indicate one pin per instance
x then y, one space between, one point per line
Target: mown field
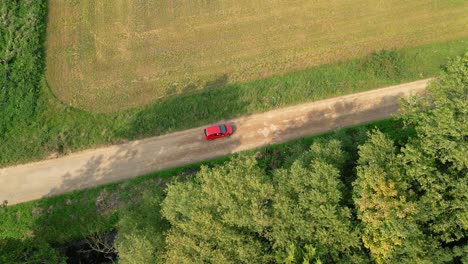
105 56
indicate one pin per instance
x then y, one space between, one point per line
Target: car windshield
222 128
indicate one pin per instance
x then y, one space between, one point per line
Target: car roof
213 130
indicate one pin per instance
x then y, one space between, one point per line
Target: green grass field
105 56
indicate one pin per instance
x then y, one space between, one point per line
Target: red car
218 131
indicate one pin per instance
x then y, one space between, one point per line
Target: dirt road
104 165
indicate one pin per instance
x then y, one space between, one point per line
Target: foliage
440 117
386 207
210 223
238 213
14 251
435 161
141 231
22 26
385 64
308 212
412 201
327 151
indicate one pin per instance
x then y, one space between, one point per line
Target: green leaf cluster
15 251
30 250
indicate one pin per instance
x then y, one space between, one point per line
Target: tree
436 161
221 217
386 207
412 201
308 213
141 231
237 213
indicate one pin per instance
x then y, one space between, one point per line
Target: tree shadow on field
192 88
191 108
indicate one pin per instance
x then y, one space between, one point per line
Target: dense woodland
343 201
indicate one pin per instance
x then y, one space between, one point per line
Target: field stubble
105 56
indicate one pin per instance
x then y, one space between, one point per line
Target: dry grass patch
111 55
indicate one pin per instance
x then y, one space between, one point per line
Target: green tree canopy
307 212
386 206
413 201
236 213
436 161
220 217
141 236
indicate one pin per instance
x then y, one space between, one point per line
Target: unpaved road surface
110 164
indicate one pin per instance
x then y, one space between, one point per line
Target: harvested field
107 55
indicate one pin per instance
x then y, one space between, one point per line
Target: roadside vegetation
35 125
22 30
392 191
